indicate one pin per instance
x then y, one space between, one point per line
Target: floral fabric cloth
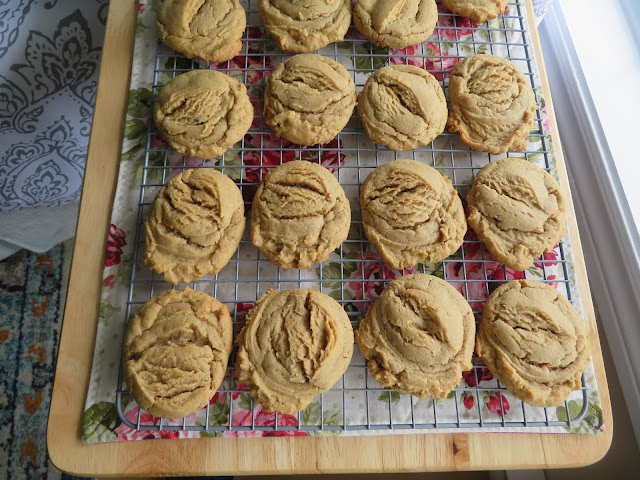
354 275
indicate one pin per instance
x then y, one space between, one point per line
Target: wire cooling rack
354 274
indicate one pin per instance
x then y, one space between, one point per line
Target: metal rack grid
249 274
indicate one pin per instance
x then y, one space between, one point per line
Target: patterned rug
33 288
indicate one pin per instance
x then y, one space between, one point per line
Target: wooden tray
414 452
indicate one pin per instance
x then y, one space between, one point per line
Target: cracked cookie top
301 26
203 113
477 10
402 107
176 351
517 211
411 213
309 99
300 215
418 336
208 29
492 104
295 345
395 23
194 225
533 341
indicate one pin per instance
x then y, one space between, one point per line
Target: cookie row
412 214
310 98
300 214
418 338
419 335
212 29
295 344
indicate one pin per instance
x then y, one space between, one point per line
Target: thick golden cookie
194 225
492 104
517 210
300 215
176 351
411 213
301 26
207 29
534 342
402 106
202 113
309 99
395 23
418 336
477 10
295 345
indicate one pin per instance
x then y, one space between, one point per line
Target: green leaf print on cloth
106 310
368 57
99 422
395 396
137 128
592 421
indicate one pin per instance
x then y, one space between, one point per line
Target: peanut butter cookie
301 26
411 213
295 345
533 341
202 113
309 99
176 351
207 29
402 106
492 104
477 10
517 210
395 23
418 336
300 215
194 225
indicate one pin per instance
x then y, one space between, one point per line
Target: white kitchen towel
540 7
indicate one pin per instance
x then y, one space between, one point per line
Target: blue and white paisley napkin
49 63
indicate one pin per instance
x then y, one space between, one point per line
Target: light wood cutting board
220 456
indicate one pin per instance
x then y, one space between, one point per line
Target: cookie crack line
265 366
184 392
199 11
390 187
308 11
223 20
192 200
298 108
398 91
299 217
438 336
322 233
166 229
314 15
168 341
153 324
227 119
505 191
145 367
287 183
395 134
